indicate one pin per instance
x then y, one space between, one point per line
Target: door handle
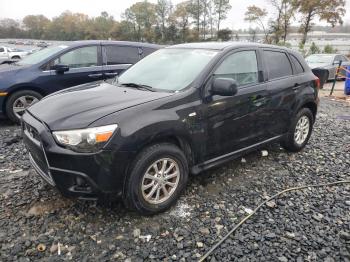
95 75
111 74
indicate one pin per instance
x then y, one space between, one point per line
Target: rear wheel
157 178
300 131
18 102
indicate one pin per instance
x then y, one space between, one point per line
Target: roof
222 45
106 42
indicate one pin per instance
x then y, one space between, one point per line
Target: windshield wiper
138 86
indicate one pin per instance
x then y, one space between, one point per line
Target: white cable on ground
259 206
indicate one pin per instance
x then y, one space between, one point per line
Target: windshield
39 56
323 59
168 69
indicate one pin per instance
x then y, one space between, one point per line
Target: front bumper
81 175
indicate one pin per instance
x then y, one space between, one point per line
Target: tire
290 142
135 197
16 57
11 114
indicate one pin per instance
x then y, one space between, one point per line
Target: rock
200 244
282 259
344 235
136 233
264 153
270 236
318 217
248 210
271 204
290 235
204 231
53 248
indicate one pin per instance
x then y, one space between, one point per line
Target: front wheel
299 132
157 178
18 102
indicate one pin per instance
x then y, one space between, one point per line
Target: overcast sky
49 8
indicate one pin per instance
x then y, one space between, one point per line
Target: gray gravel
36 223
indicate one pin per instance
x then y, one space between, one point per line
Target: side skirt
230 156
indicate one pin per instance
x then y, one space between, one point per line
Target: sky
19 9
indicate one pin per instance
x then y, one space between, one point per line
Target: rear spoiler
321 74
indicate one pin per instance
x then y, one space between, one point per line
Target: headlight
85 140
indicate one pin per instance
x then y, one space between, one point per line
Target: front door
84 66
237 121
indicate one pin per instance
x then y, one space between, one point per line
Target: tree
36 25
143 16
328 49
314 49
330 11
163 9
181 17
222 7
224 34
280 25
257 15
10 28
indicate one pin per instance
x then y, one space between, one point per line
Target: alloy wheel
23 102
160 181
302 130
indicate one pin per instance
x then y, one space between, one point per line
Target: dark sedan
58 67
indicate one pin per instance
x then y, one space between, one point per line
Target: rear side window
241 66
2 49
278 64
298 67
121 55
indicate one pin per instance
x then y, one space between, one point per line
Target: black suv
182 109
25 82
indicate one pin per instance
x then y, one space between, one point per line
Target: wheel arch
22 88
310 105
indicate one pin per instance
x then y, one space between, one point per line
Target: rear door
235 122
283 86
84 64
117 58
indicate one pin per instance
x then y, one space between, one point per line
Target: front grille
46 176
37 156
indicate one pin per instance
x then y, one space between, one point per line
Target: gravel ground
36 223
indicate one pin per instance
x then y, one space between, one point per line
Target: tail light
317 82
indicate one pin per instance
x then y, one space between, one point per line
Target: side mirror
224 87
60 69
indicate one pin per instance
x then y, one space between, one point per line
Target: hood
77 107
11 68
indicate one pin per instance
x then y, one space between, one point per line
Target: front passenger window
241 66
80 57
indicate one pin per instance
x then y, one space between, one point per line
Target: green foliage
314 49
328 49
224 34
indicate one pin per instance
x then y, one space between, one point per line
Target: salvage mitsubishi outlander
181 110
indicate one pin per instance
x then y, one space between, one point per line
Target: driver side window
80 57
241 66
